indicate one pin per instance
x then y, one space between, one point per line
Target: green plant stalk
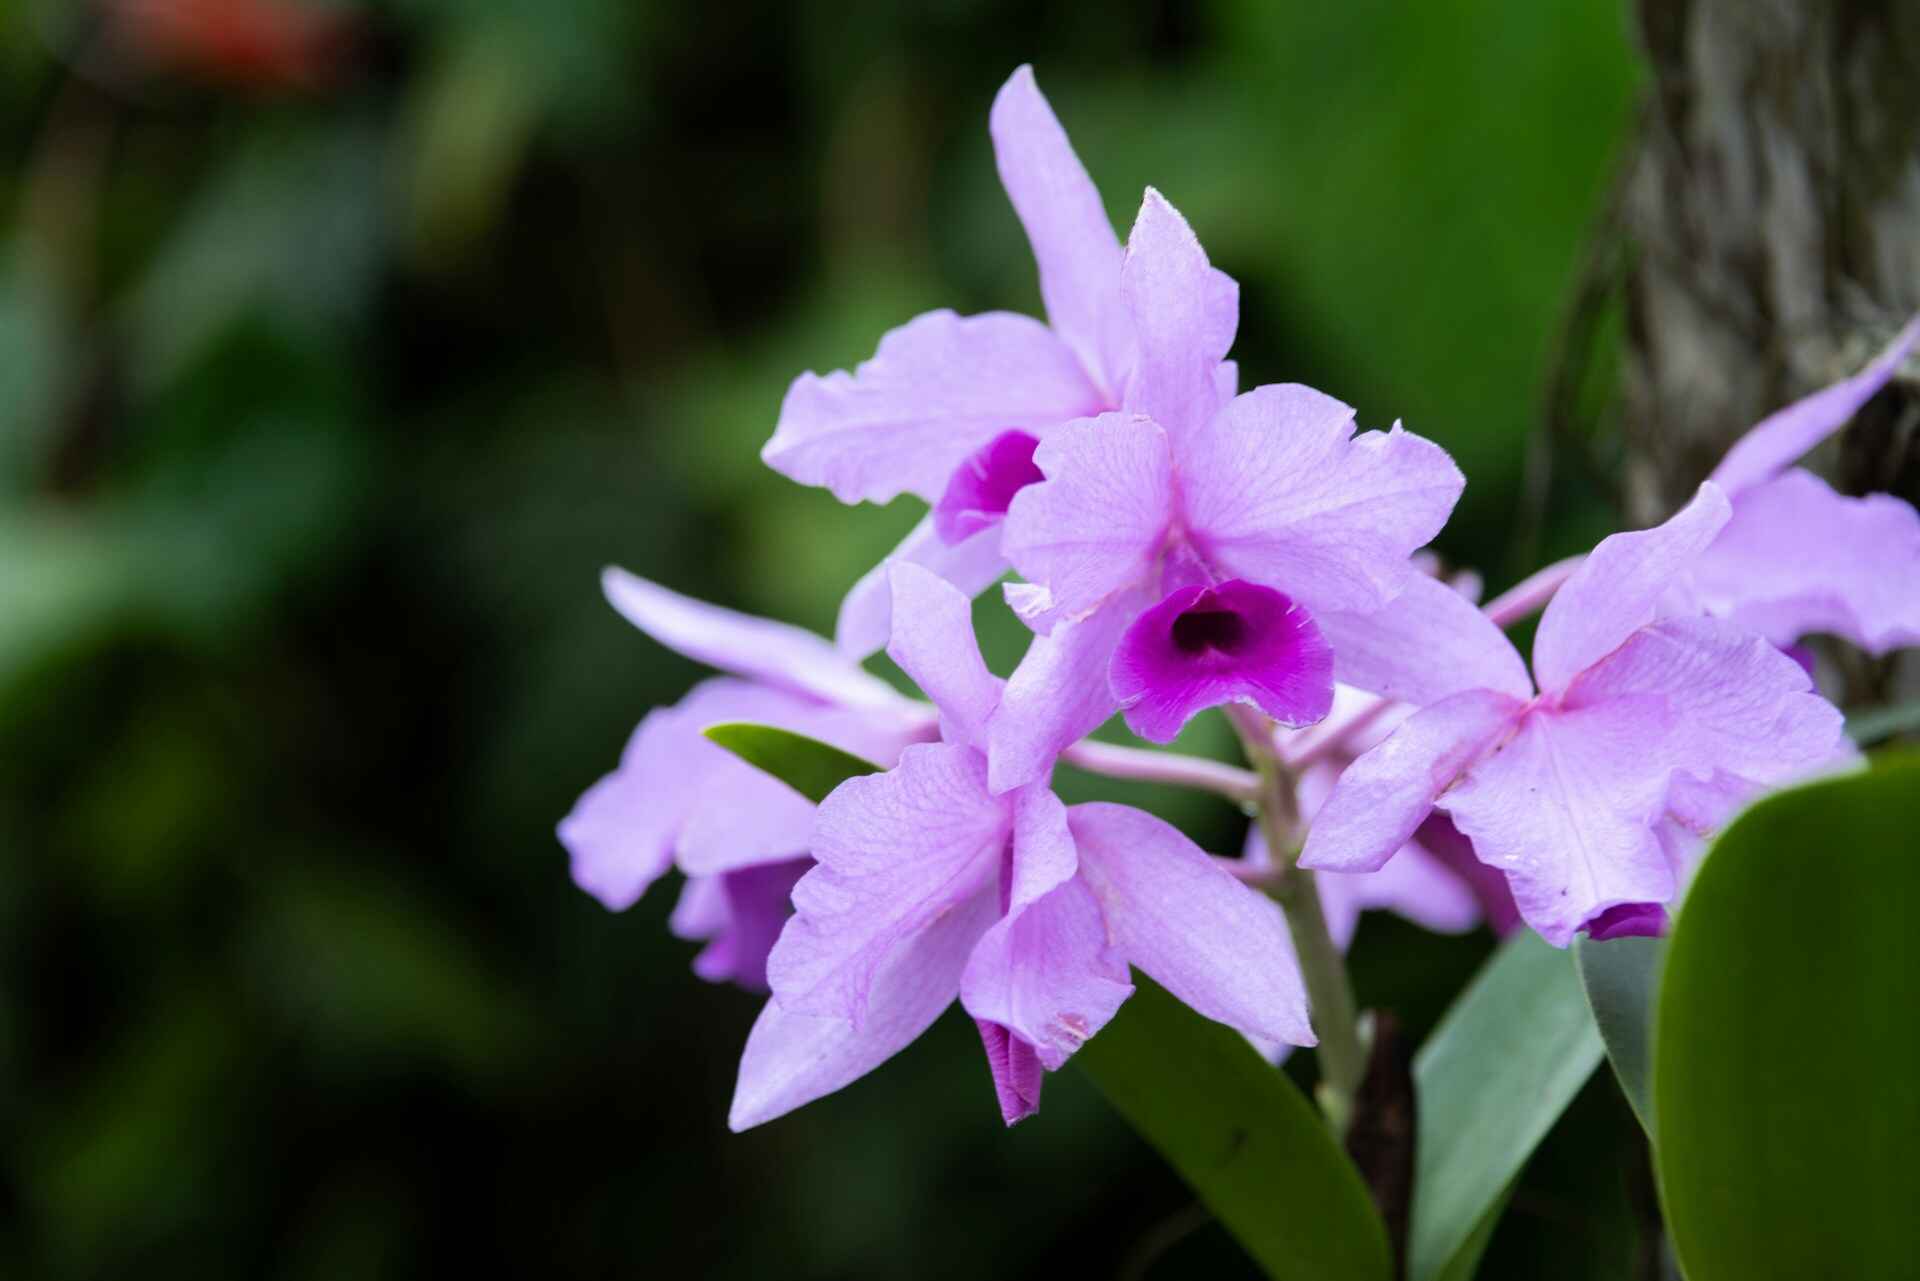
1342 1049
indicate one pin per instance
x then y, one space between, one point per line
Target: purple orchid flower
740 835
930 886
950 408
1797 557
1199 549
1594 795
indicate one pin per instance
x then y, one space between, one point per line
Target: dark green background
319 414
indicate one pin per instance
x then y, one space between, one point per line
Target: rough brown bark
1772 208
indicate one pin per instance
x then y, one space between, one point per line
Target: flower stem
1342 1052
1532 592
1141 765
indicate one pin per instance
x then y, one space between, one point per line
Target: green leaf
1497 1073
807 765
1621 977
1785 1041
1241 1135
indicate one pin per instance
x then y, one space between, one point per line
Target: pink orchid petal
1413 884
1798 558
1278 490
938 388
792 1059
1016 1070
1618 589
1628 920
1184 316
1043 852
1780 439
780 654
1177 915
1097 523
1048 973
1736 704
1205 646
1446 846
896 852
933 643
1073 242
1566 809
701 910
1058 695
1384 796
740 915
866 615
1426 644
741 815
624 833
981 488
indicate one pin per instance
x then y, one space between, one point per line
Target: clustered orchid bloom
1183 546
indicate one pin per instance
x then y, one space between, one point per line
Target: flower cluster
1182 546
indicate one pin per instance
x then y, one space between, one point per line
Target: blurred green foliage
320 411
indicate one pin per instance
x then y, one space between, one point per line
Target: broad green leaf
1242 1136
1497 1073
1621 977
1785 1042
807 765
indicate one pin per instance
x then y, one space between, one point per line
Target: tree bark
1772 212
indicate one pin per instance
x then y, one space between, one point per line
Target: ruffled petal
1735 703
1567 807
624 833
1184 316
1048 974
1618 589
1073 242
1233 642
938 388
1179 916
779 654
897 852
1780 439
1798 558
866 614
1278 490
793 1059
1384 796
1097 523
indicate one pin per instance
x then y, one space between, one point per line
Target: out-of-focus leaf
1496 1074
32 367
61 585
1466 1259
1621 978
1882 723
472 120
1242 1135
1786 1113
255 238
368 971
807 765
